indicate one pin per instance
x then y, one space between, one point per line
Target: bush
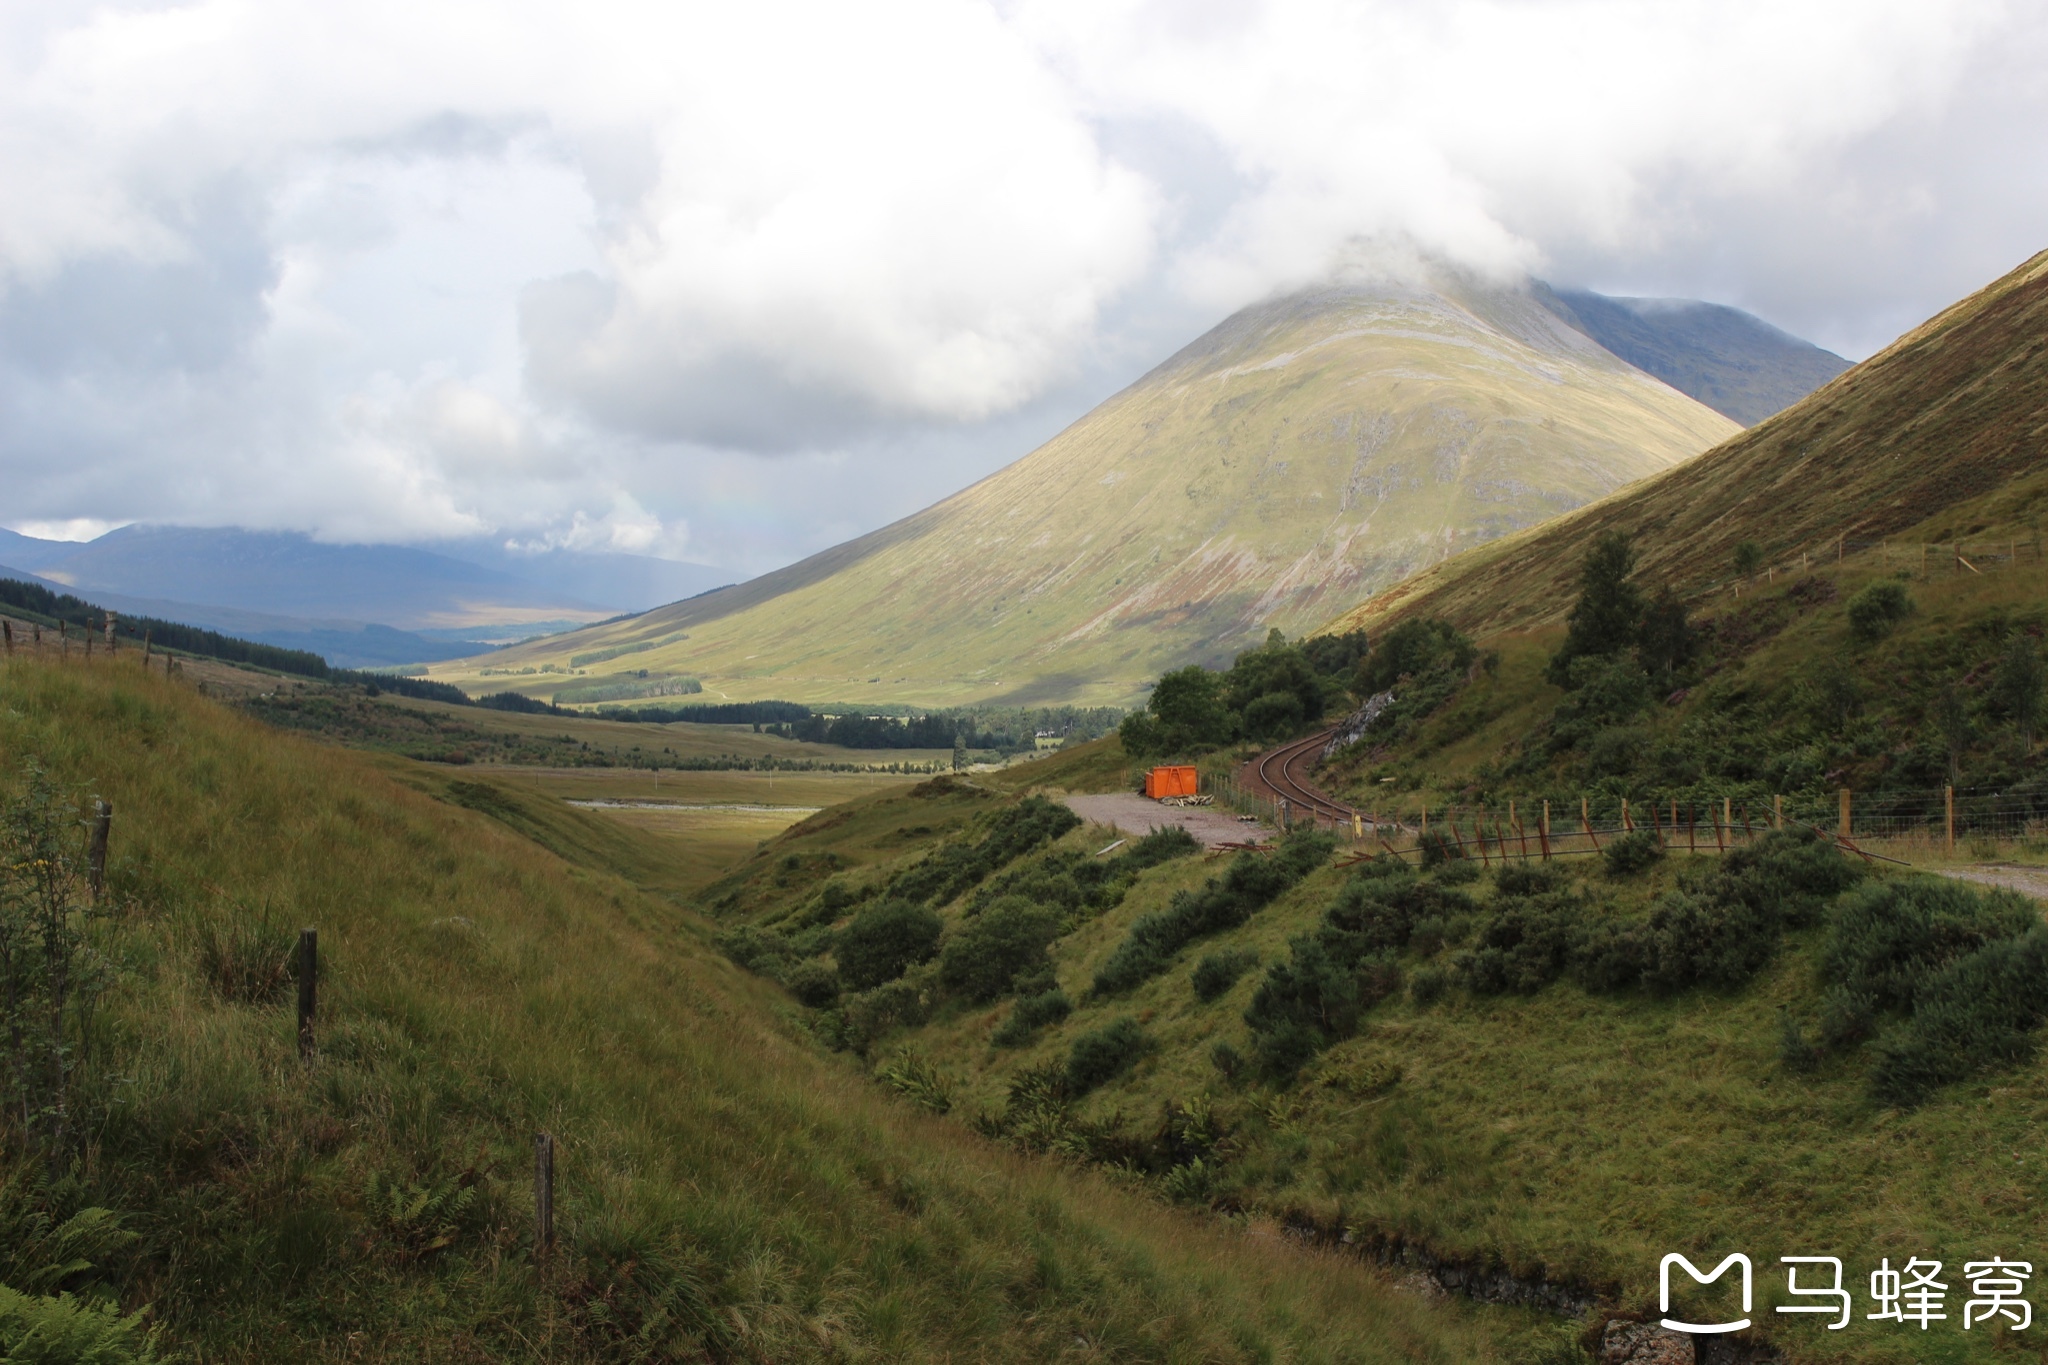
1411 649
1428 985
1890 938
1218 972
1253 882
1005 941
1015 831
1030 1014
813 983
1875 610
1527 879
1105 1054
1980 1011
1077 884
1437 849
1228 1061
883 941
1632 852
1524 947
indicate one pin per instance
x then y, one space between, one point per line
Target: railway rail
1282 774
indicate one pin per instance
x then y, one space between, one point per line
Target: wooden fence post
1627 826
111 646
1845 812
7 628
1586 820
1692 828
309 987
1948 801
1543 831
1778 811
543 1196
1727 824
96 849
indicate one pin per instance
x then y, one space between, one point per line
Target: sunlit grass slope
725 1192
1304 453
1938 437
1568 1137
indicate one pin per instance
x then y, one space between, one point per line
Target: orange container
1172 780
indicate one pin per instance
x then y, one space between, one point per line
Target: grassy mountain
1934 439
1737 364
1300 454
725 1191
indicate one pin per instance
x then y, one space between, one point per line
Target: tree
1749 557
1609 615
1411 649
1274 689
1005 941
1665 643
2018 686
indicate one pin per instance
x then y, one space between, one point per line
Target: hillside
1296 457
1953 414
1471 1071
724 1191
1737 364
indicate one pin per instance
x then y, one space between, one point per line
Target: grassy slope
1302 454
1935 438
1567 1135
477 987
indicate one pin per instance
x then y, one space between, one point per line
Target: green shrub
883 941
873 1014
812 983
1527 879
1523 947
960 866
1979 1012
1891 937
1030 1014
1228 1061
762 951
1428 985
1253 882
1076 884
993 949
1875 610
1104 1054
1632 852
1437 849
1218 972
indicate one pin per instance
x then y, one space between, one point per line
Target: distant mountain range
1301 455
358 606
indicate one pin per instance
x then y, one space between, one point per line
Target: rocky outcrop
1357 723
1645 1343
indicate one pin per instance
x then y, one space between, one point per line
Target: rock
1644 1343
1357 723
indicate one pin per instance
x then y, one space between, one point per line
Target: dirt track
2028 881
1138 815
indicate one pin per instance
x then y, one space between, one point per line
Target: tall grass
724 1191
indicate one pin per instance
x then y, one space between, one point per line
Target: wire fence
1895 825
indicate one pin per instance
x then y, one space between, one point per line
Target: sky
732 283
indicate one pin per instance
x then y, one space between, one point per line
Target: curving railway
1282 773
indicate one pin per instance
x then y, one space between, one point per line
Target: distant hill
1736 363
1938 436
474 586
1301 453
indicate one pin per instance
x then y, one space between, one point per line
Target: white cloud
569 274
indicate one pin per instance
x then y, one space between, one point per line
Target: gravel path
2028 881
1135 814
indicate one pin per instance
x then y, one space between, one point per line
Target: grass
1568 1137
724 1189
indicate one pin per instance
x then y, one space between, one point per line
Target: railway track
1283 773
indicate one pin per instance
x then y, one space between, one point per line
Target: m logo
1664 1292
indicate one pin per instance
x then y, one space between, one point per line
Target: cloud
754 277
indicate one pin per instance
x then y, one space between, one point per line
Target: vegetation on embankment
723 1191
1561 1072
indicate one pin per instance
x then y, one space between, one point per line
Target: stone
1645 1343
